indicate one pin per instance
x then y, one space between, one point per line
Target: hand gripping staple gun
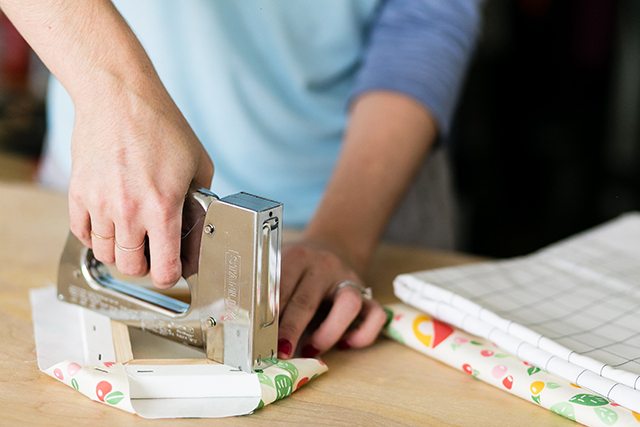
230 252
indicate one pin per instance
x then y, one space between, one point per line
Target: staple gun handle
269 270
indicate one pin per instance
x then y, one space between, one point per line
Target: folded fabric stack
572 309
485 361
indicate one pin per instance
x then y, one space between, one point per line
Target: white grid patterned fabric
572 308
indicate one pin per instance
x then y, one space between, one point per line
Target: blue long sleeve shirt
421 48
265 84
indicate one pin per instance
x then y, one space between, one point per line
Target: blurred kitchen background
546 140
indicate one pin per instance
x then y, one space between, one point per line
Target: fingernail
284 347
343 345
309 351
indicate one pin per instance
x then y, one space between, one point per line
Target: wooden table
386 384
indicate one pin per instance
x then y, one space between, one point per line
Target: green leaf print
284 386
501 355
533 370
535 399
589 400
389 314
553 385
260 405
264 379
74 384
395 335
475 342
606 415
114 397
289 367
564 409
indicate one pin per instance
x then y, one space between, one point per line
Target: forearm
87 45
386 142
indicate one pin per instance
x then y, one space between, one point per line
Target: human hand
133 159
311 273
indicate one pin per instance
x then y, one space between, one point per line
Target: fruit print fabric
481 359
280 380
108 384
431 332
105 384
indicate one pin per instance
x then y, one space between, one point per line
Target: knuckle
124 269
303 301
297 251
289 330
328 261
166 276
97 204
127 208
166 210
379 315
136 269
80 231
167 205
351 301
172 265
99 255
364 338
75 197
139 270
104 256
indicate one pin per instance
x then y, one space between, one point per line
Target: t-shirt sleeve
421 48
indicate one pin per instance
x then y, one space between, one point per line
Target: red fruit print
302 382
508 382
58 374
499 371
109 364
73 368
102 389
467 368
486 353
441 331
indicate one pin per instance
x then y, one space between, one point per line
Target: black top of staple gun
250 201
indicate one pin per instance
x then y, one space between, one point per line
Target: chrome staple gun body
231 262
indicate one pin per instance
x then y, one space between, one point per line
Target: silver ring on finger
126 249
365 292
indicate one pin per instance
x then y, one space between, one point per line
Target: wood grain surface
386 384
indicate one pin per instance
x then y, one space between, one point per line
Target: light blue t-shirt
265 84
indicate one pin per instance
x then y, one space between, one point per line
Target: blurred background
546 141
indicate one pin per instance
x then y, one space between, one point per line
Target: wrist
124 85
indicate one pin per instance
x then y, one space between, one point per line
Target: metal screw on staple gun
212 321
209 229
